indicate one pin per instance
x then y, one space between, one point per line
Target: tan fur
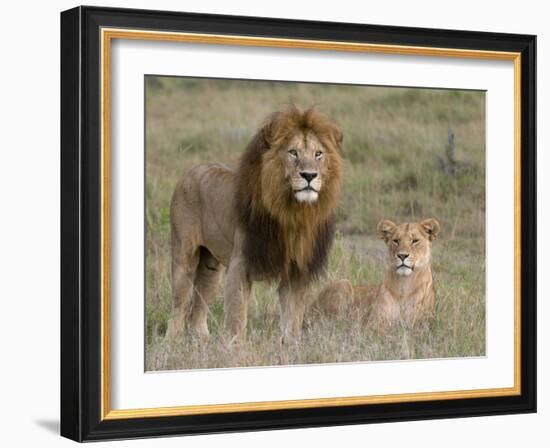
407 293
272 219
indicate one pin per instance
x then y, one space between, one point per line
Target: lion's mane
285 238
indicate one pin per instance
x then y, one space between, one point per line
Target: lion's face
299 174
304 165
409 244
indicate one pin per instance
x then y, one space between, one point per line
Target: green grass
393 138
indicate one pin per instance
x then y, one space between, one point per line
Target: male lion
271 219
406 294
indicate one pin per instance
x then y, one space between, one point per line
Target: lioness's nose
402 256
307 175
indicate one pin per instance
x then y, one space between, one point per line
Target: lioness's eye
415 241
318 154
293 153
396 241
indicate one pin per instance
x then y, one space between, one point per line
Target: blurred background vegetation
409 154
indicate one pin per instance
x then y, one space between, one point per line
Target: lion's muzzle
306 187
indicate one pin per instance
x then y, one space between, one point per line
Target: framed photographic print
274 223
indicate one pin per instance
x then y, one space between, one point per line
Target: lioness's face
304 161
409 244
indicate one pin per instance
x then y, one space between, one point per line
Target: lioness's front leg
236 298
292 299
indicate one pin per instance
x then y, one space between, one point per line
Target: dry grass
392 140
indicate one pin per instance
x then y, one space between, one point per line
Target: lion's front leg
292 299
236 298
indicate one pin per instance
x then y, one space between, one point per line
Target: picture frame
86 206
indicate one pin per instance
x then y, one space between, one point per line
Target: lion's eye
318 154
293 153
396 241
415 241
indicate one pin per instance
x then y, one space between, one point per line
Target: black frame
80 223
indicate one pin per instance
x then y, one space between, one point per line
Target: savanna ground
396 146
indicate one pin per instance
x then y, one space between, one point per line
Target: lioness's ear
431 227
385 228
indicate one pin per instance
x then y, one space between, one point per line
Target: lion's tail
341 296
335 297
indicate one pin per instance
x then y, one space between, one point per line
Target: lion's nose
307 175
402 256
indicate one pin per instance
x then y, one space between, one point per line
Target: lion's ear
273 129
385 229
264 137
338 135
431 226
266 132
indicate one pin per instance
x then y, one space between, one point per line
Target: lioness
407 292
271 219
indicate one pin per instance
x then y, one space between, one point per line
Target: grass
393 141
